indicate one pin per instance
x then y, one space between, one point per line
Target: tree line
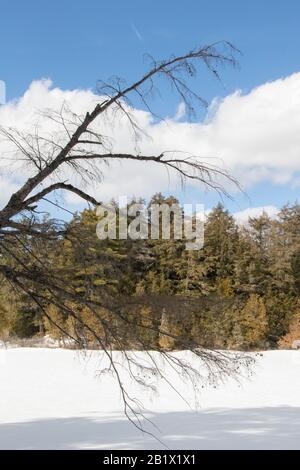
240 291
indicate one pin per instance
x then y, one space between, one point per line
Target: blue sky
75 43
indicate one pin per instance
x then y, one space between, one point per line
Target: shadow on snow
251 428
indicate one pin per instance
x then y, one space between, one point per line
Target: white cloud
7 187
242 217
255 136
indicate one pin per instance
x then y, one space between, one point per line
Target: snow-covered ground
55 399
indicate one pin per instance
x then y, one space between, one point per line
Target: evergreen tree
220 245
251 323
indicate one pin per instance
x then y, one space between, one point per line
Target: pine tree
292 338
251 323
220 245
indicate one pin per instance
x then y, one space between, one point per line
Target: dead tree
80 152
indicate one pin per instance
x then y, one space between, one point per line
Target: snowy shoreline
56 399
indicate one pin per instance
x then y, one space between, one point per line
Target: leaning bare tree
79 150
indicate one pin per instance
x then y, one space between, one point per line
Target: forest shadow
251 428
